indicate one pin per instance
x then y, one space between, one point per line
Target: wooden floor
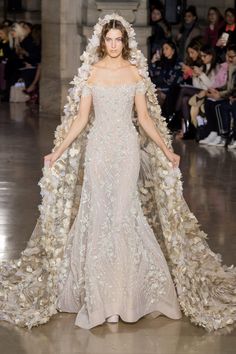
210 189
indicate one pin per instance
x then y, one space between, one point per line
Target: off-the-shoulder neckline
113 69
114 85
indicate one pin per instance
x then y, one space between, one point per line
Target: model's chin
114 54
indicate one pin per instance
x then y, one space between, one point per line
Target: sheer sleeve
86 90
140 87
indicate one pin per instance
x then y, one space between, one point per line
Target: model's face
231 57
206 58
212 17
193 54
189 18
168 52
229 18
156 15
114 43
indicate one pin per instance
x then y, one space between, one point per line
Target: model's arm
149 127
76 128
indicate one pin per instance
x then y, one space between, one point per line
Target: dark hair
167 62
231 47
114 24
166 26
159 8
7 22
232 11
207 49
29 24
196 44
192 10
217 11
36 34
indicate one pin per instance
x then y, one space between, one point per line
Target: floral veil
29 285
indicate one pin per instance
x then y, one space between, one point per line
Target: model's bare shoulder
99 65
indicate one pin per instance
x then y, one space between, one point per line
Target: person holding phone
227 33
166 73
217 98
161 30
214 28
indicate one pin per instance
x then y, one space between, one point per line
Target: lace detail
140 87
113 263
29 285
86 90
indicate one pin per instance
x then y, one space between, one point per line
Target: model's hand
50 159
173 158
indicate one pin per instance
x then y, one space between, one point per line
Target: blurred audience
218 103
161 29
20 52
188 30
194 71
187 90
166 73
227 33
195 75
214 27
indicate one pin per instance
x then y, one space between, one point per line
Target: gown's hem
99 317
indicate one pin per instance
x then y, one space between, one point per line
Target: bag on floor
17 92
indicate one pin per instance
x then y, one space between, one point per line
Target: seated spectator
27 26
161 29
12 65
33 89
193 60
5 52
189 30
29 53
227 33
228 110
216 101
210 74
214 27
4 43
166 73
7 23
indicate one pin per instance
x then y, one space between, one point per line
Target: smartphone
225 38
158 54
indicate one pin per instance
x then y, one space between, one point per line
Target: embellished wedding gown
113 260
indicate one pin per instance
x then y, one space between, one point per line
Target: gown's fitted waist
115 126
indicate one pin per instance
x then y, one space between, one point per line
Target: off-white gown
115 264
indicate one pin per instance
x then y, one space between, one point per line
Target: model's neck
114 63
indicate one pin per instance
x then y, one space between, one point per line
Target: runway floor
209 176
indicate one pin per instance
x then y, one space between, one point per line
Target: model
112 193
